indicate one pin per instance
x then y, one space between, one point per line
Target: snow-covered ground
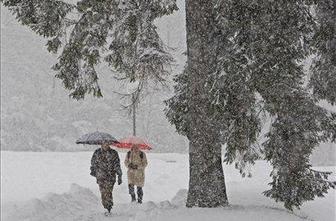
57 186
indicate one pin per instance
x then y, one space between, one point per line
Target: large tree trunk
206 184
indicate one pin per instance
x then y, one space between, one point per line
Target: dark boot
133 197
109 209
131 192
140 194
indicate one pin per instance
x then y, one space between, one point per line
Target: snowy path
35 187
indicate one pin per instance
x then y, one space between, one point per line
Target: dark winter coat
105 165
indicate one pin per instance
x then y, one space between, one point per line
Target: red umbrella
128 142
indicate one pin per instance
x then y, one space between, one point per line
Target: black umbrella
97 138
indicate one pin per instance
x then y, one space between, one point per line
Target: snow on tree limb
259 47
121 33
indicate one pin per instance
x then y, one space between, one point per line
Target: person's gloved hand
119 180
130 165
133 166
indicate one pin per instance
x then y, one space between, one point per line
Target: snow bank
77 202
80 203
180 198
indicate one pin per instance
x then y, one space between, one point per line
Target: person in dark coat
105 166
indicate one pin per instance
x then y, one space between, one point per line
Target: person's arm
94 164
117 168
127 162
144 162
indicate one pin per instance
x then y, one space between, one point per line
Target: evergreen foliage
323 79
119 32
260 47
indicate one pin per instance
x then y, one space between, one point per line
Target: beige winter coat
136 176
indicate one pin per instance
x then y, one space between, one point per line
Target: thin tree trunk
134 114
206 183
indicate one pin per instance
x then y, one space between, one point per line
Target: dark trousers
139 191
106 189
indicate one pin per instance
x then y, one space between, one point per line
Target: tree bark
206 183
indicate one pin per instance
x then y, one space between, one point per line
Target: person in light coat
136 163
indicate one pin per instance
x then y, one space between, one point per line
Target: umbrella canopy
128 142
96 138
